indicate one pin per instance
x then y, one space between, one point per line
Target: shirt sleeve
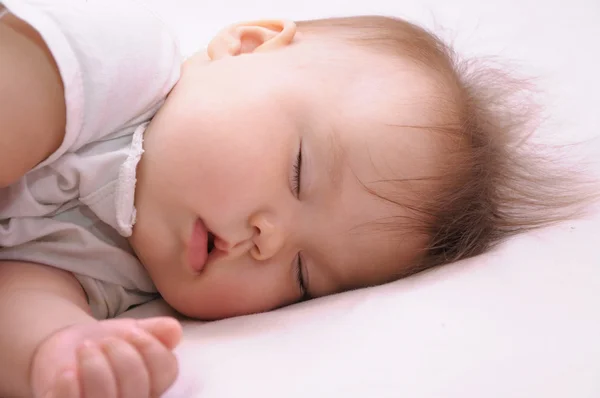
117 61
108 300
78 242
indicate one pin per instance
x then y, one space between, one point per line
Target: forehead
383 122
367 89
385 156
376 233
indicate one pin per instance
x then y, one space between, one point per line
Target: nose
268 237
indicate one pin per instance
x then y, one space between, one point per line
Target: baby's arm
46 321
35 302
32 105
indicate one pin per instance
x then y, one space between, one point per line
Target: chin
206 312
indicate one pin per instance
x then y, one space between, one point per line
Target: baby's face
271 152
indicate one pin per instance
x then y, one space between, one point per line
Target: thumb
167 330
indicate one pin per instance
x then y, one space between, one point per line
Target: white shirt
75 209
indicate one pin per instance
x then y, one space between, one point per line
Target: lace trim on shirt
125 195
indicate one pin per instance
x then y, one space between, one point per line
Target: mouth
210 242
201 248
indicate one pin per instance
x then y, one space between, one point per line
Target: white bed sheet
523 321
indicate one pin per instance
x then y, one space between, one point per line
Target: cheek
234 289
226 152
243 168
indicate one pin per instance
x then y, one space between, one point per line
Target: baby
288 161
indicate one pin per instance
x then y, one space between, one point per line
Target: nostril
255 252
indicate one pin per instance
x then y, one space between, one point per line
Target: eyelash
296 190
297 171
300 277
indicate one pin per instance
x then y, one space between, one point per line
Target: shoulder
31 106
117 63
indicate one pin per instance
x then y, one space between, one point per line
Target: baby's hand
117 358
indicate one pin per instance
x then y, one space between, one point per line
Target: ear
251 37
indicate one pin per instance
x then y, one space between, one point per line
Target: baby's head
319 157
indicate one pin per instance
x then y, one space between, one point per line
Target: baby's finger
129 369
167 330
66 386
95 374
160 361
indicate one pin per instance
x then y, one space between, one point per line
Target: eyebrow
334 161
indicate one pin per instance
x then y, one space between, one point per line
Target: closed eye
297 173
300 269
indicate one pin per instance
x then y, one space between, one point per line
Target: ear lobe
251 37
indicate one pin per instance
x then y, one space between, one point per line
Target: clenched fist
117 358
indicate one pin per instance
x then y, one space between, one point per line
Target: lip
215 255
220 244
198 256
